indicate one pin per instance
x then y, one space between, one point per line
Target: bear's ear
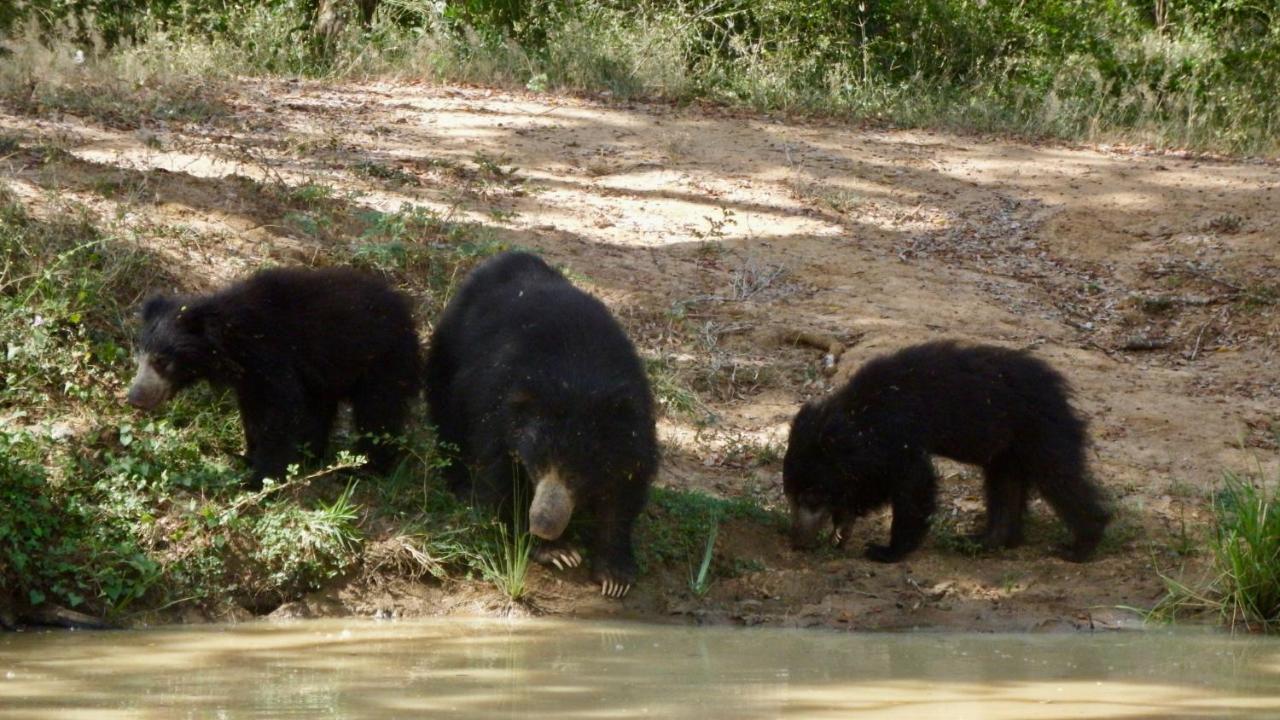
155 306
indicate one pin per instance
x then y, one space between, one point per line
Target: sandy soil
1150 279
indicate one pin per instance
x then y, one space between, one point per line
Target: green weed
700 581
1244 589
390 173
1199 76
504 562
675 524
504 559
672 394
1246 551
948 537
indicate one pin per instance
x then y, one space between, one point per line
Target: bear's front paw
614 582
882 554
559 555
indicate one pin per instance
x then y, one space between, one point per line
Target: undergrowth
1196 74
116 514
1244 587
673 529
121 515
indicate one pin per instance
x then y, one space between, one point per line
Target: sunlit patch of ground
1152 281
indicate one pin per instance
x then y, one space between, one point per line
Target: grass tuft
504 560
1247 552
1244 588
700 581
503 557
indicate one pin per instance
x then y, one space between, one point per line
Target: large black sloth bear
543 395
292 343
870 443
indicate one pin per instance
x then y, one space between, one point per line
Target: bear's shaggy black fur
542 394
870 443
292 343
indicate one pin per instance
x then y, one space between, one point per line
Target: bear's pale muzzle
551 508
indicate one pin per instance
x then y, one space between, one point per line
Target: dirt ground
760 261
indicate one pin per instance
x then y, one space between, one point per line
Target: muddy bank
756 263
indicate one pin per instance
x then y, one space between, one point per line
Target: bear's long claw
555 560
614 589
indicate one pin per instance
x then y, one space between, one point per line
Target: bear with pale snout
545 399
292 343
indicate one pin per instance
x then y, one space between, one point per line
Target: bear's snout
142 399
806 524
551 508
149 389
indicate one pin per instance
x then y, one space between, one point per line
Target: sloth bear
292 343
543 395
869 444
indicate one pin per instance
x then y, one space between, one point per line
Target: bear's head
577 445
814 471
173 351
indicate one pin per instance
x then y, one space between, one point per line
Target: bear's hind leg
1005 483
317 427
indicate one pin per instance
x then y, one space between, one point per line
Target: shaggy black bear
545 399
292 343
870 443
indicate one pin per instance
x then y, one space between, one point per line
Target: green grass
1244 587
1201 77
116 514
673 529
948 537
700 581
504 553
1246 552
671 393
504 561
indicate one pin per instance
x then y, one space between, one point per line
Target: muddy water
537 669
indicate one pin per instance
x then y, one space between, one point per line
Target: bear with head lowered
546 401
870 444
292 343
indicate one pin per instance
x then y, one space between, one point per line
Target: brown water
567 669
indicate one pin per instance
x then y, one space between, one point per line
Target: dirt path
1152 281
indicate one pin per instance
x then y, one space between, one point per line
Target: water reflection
363 669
